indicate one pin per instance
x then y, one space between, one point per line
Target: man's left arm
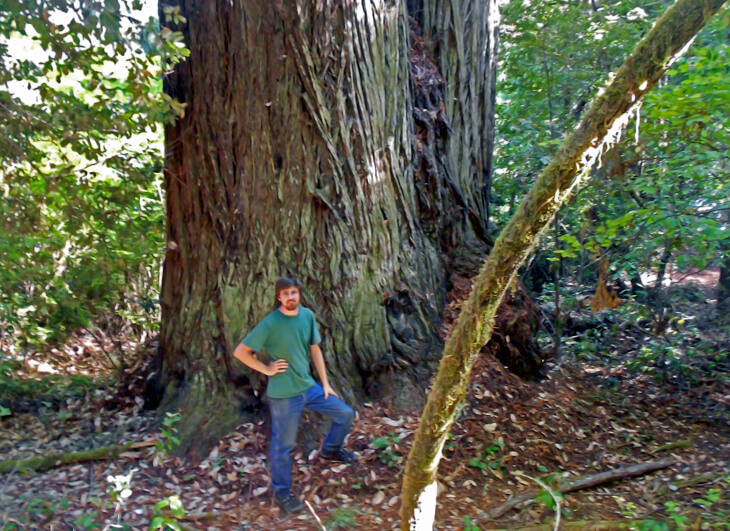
318 359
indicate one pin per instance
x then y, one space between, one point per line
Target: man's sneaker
341 455
289 504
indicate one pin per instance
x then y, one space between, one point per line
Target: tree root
51 461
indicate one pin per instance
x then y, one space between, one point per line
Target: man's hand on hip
275 367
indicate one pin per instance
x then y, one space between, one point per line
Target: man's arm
244 354
318 358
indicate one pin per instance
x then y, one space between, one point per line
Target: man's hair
285 283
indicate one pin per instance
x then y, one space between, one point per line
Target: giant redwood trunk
317 142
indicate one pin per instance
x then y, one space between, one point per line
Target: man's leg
285 414
333 408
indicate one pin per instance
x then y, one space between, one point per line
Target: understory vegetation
647 239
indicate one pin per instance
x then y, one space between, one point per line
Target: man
289 335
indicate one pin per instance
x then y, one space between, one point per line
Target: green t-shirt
289 338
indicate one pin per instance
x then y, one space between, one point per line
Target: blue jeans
285 414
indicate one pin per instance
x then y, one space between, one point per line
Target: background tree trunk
462 37
301 152
723 288
723 285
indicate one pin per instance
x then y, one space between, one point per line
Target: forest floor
592 413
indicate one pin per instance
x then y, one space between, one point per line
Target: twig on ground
249 493
91 480
101 345
10 475
552 495
311 510
5 519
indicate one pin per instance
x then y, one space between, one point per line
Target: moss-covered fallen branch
51 461
673 446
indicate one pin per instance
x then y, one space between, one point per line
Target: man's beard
291 305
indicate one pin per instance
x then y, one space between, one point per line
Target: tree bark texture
301 152
599 127
463 36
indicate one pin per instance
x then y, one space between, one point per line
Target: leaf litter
584 417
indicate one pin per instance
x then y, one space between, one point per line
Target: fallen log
585 482
51 461
581 525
